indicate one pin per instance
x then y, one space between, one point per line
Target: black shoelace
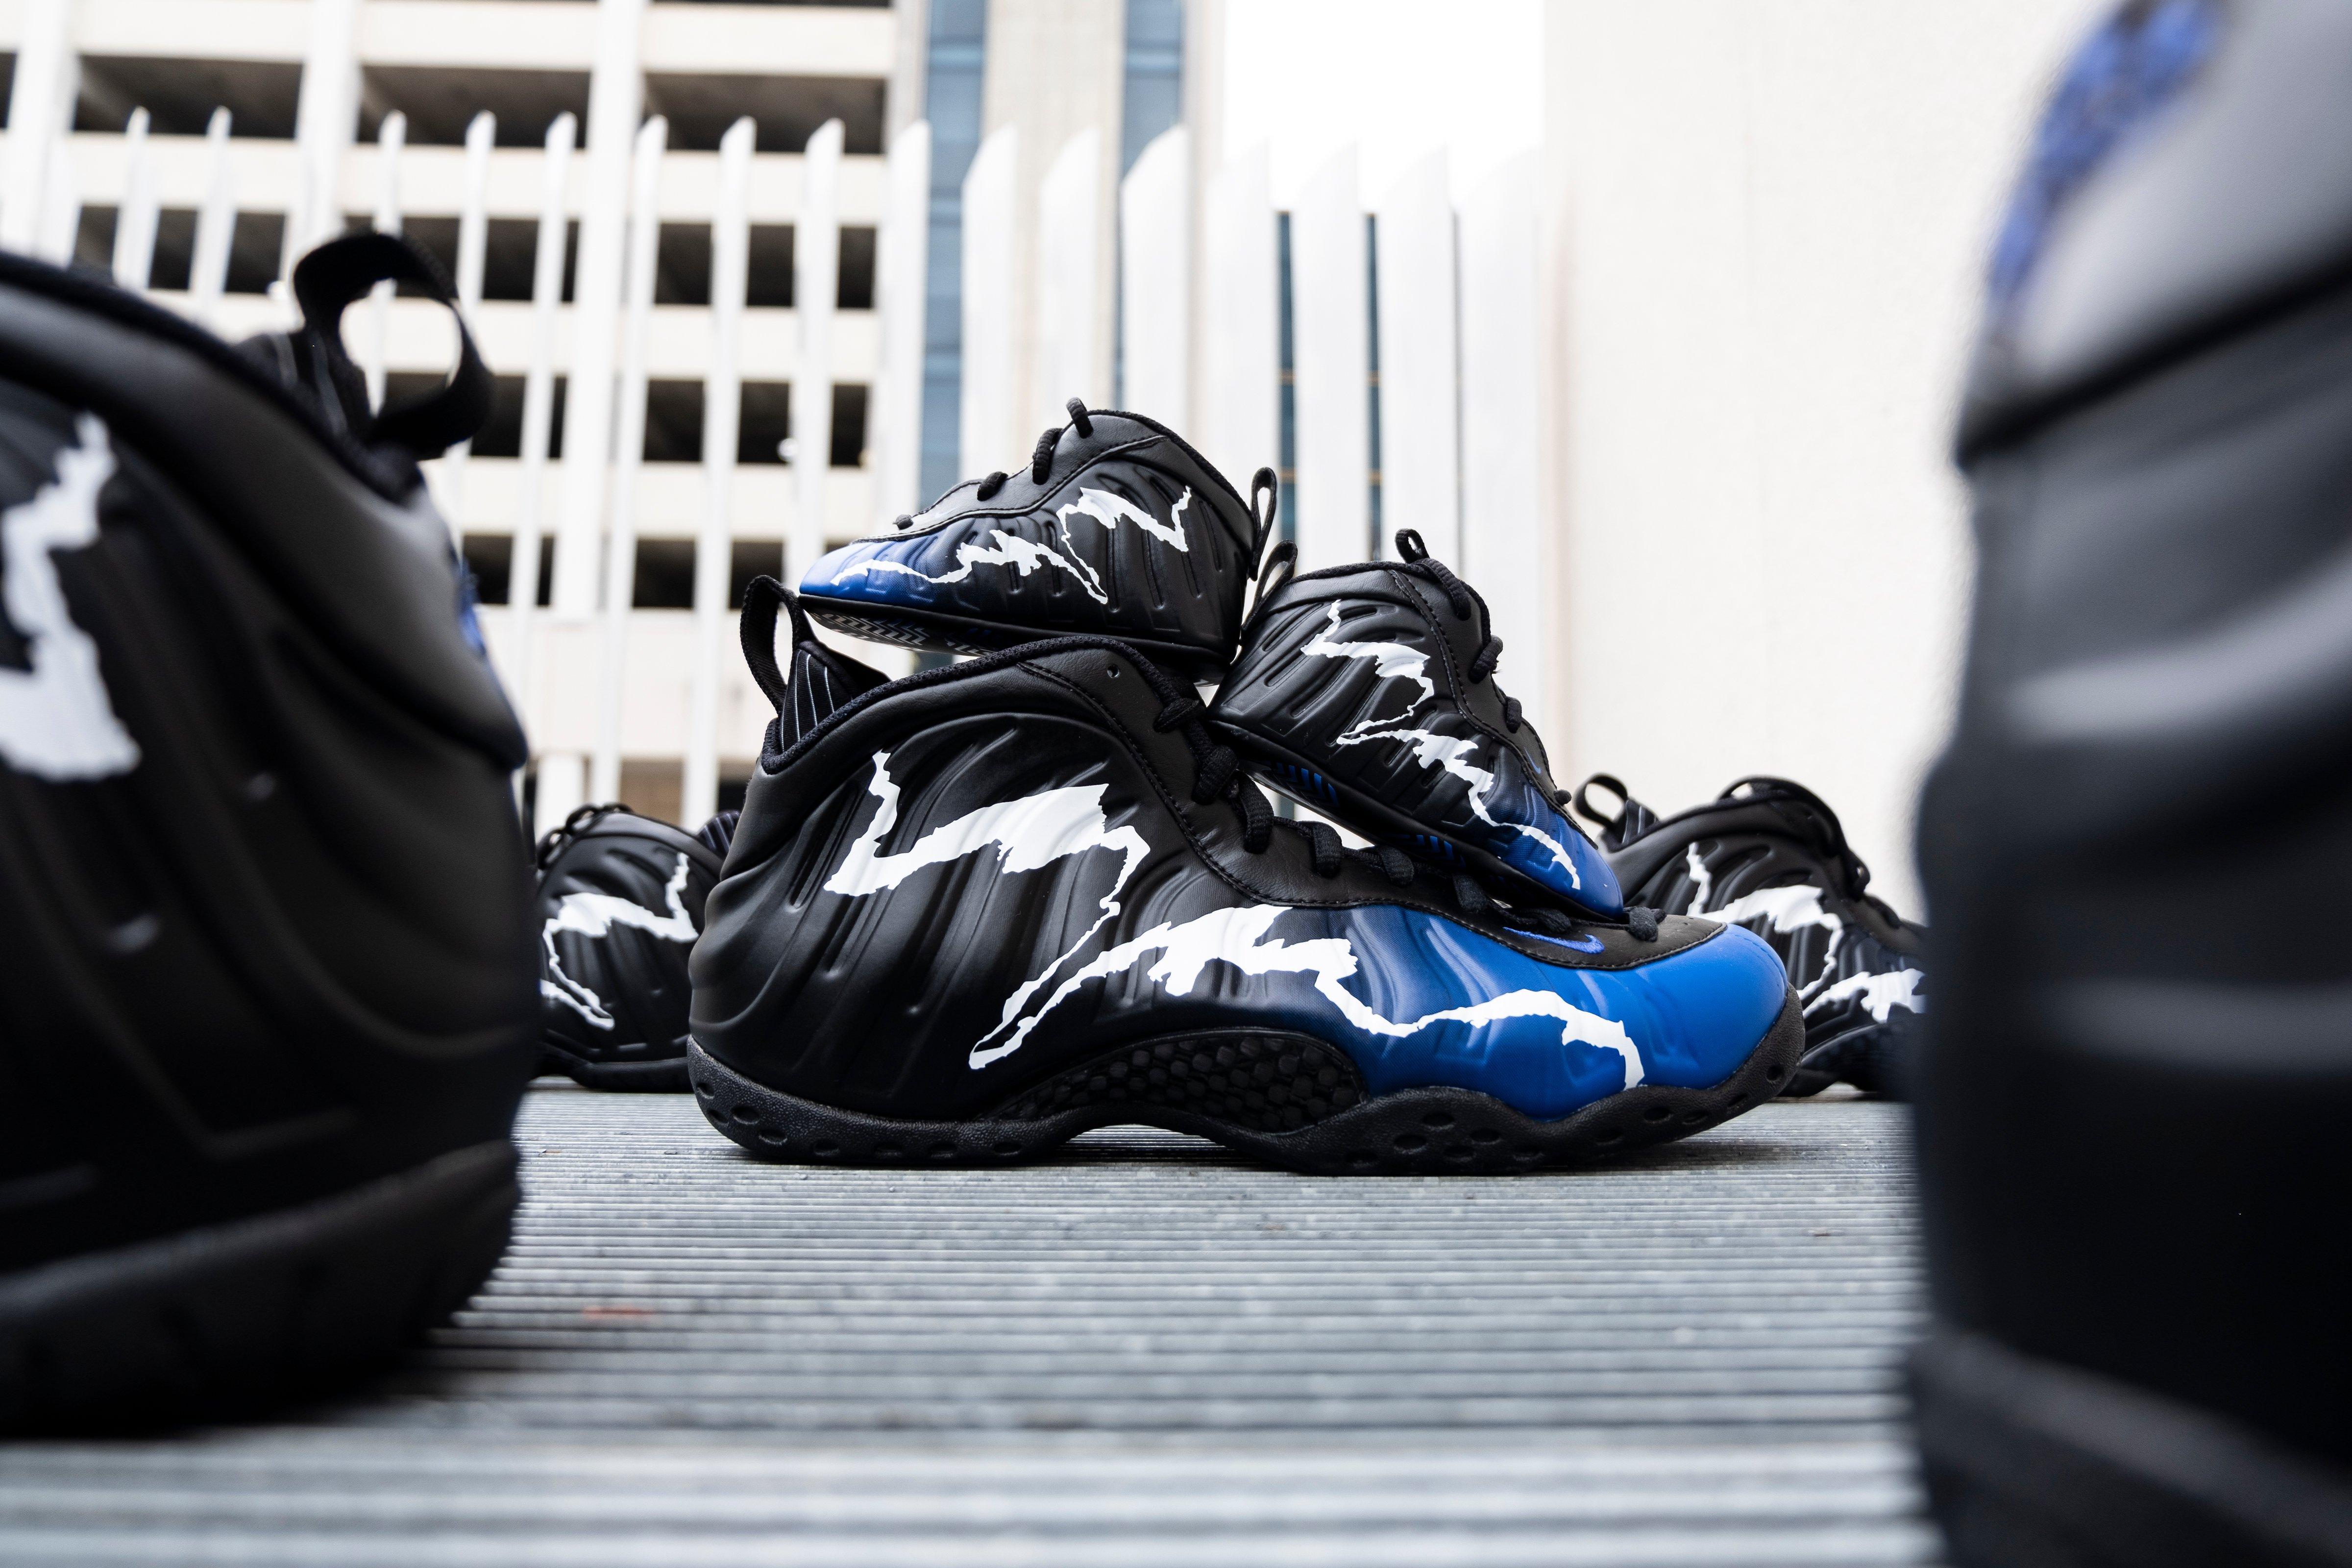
1218 775
553 842
1041 461
1466 603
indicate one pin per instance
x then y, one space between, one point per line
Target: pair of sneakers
969 914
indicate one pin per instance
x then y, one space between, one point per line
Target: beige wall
1056 67
1771 220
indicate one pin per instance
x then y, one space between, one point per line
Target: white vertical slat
326 122
1240 398
1330 329
816 288
1068 302
391 137
722 412
989 426
473 248
1155 280
215 223
60 207
1421 472
40 108
615 95
1504 547
894 414
538 420
134 220
629 454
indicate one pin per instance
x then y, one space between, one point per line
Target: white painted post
1155 282
629 455
60 207
1504 544
538 422
616 97
722 413
1330 328
1240 396
391 137
1069 283
1421 471
816 287
40 109
215 224
134 220
473 248
894 413
326 122
988 431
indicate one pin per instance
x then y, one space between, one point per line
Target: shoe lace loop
1041 460
1465 602
556 838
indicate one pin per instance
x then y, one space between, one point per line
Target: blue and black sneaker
1769 855
1117 527
974 912
1367 692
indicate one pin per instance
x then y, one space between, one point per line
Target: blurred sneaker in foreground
1368 692
2137 1080
1116 526
266 1010
1771 855
976 913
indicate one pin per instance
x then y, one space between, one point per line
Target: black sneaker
620 903
1116 527
1368 692
2135 1085
1771 855
266 1006
979 910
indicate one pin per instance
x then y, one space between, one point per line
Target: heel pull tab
1409 546
1265 482
339 273
760 601
1281 567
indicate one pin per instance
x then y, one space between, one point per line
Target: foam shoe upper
1368 691
1771 855
267 1009
620 905
961 895
2135 1084
1116 527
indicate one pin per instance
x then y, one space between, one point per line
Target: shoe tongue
823 680
720 832
299 361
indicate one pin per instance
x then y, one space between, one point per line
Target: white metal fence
1452 320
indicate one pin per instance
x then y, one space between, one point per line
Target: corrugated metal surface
1147 1352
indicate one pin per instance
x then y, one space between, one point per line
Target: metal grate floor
1147 1352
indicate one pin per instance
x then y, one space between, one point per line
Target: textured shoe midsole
225 1316
1416 1130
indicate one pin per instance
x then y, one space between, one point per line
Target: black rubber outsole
1384 824
1420 1131
2031 1463
663 1075
233 1318
930 631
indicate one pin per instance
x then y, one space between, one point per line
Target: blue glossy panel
1693 1017
1515 802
